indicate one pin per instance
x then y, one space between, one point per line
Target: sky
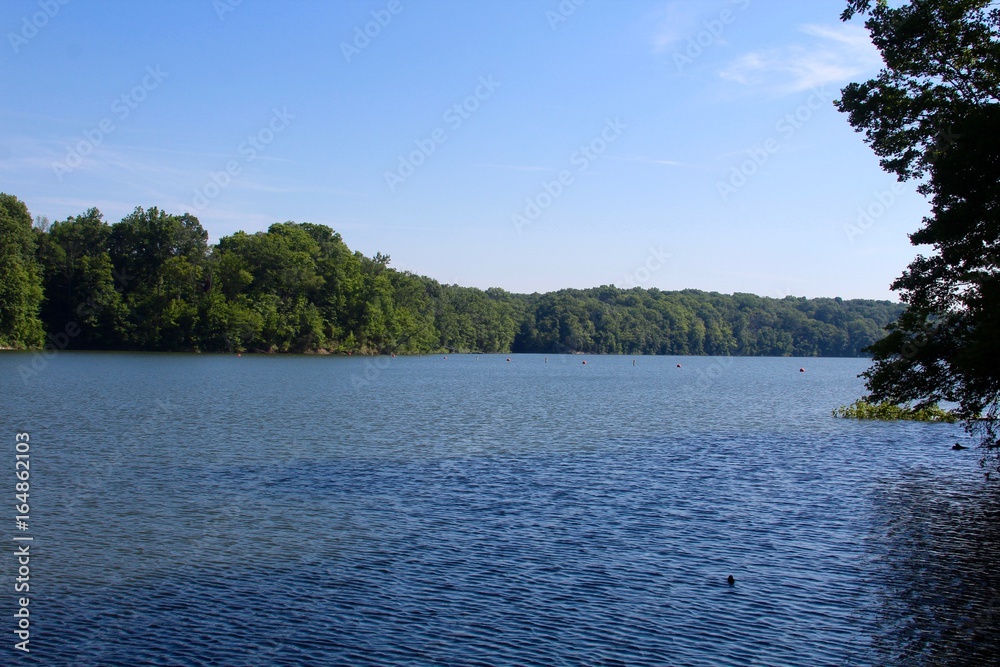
528 145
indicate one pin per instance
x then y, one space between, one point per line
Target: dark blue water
221 510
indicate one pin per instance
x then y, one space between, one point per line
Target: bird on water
731 580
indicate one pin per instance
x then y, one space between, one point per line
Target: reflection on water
935 543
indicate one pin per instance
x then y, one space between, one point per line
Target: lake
470 510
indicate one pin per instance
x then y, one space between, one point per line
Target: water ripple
216 511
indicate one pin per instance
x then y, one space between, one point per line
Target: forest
153 282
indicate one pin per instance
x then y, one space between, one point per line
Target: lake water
254 510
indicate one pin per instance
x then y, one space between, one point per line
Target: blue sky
525 145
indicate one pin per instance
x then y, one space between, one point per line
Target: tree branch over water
933 114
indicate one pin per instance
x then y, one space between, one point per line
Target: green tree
933 114
20 280
152 282
414 313
278 273
78 278
159 265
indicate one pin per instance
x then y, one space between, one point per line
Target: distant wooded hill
152 282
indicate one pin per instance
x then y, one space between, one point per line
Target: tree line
152 282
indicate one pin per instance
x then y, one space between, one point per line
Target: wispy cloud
835 54
649 160
48 158
201 154
516 167
674 24
113 209
224 221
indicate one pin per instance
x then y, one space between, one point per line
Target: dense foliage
637 321
933 114
152 282
20 286
862 409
